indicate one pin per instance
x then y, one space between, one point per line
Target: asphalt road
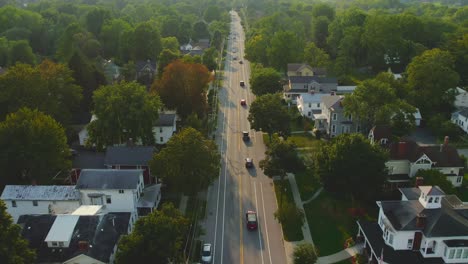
238 189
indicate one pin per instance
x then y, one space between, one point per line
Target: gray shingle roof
166 120
108 179
40 192
411 193
331 100
309 79
132 156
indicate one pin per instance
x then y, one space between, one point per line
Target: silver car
206 254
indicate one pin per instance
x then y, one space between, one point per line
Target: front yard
283 196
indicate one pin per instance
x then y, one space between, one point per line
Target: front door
417 240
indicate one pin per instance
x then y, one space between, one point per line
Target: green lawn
304 140
284 195
308 184
330 223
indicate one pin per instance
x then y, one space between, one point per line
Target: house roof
166 120
463 112
312 98
128 155
381 131
410 193
149 196
87 159
331 100
108 179
445 156
296 66
446 221
309 79
374 236
432 190
40 193
140 65
100 231
62 229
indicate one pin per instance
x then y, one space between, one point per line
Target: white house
35 199
425 226
380 135
309 104
460 118
461 98
83 134
164 128
407 158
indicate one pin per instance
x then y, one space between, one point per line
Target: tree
430 76
48 87
320 31
111 36
200 31
267 114
255 48
189 82
176 166
435 178
322 9
304 254
315 56
158 236
209 58
212 13
285 47
170 43
146 42
20 51
265 81
95 19
374 103
281 157
123 111
34 148
165 58
13 247
289 215
350 166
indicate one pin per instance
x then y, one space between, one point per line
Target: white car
206 253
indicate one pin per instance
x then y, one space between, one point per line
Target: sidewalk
342 255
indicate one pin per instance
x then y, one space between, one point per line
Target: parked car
206 255
243 102
240 62
245 136
249 163
242 83
251 218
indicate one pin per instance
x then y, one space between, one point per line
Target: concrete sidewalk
342 255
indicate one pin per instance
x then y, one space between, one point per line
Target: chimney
401 149
446 141
419 181
130 142
83 245
421 221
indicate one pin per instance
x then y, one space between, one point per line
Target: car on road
249 163
206 254
240 62
251 218
245 136
242 83
243 102
234 58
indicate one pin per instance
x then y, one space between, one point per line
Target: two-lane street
239 189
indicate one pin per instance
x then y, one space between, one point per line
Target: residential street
238 189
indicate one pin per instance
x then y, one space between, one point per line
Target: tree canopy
158 236
281 157
304 254
350 166
435 178
176 163
124 110
34 148
269 115
265 81
13 247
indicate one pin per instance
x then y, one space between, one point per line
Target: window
350 117
61 244
410 244
333 128
13 203
161 139
451 253
318 105
390 239
383 141
309 113
430 200
458 254
121 191
108 199
445 252
358 129
160 129
334 116
35 203
54 244
310 104
459 179
465 253
436 200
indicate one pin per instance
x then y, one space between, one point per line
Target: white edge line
266 227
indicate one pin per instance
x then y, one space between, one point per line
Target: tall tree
322 9
430 76
177 167
348 161
200 31
20 51
34 148
320 31
435 178
170 43
111 36
315 56
165 58
158 236
209 58
13 247
285 47
304 254
269 115
189 82
212 13
265 81
95 19
280 158
123 111
146 42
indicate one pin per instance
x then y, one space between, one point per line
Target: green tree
209 58
34 148
20 51
158 236
435 178
304 254
175 164
146 42
265 81
269 115
170 43
95 19
320 31
315 56
123 111
430 76
458 47
255 48
322 9
165 58
346 162
111 36
289 215
14 248
285 47
280 158
212 13
200 31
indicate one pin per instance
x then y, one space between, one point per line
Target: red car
243 102
251 218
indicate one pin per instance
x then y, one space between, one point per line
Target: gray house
333 120
298 85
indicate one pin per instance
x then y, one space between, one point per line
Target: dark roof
108 179
411 193
166 120
440 222
373 233
320 71
87 159
456 243
464 112
398 178
295 66
381 131
309 79
100 231
140 65
445 156
125 155
331 100
296 90
435 190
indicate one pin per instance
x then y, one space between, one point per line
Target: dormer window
423 160
430 199
383 141
436 200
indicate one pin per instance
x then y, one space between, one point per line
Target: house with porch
333 120
425 226
407 158
304 69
